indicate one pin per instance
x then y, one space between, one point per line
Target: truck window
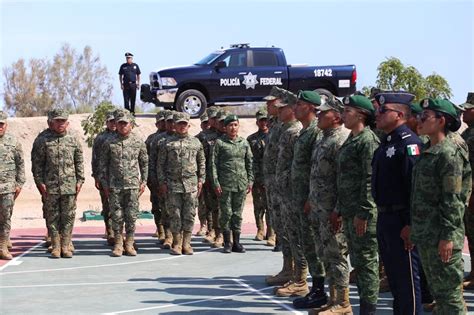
237 59
264 59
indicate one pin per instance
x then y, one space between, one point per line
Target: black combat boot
237 247
227 243
315 298
277 247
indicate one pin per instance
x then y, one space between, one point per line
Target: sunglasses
384 109
424 116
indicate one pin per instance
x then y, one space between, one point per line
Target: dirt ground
27 211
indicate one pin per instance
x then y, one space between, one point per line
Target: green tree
95 123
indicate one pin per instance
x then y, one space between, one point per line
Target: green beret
439 105
261 114
469 101
331 104
212 112
275 93
309 97
221 115
179 117
58 113
3 116
230 118
204 117
359 101
416 108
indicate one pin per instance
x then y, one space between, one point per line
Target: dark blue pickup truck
240 75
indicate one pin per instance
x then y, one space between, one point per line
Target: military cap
230 118
221 115
374 91
289 99
331 104
159 116
275 93
416 108
459 108
180 117
109 116
309 97
128 54
58 113
359 101
440 105
212 112
469 101
169 115
123 115
204 117
3 116
261 114
403 98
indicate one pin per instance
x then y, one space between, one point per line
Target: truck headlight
168 81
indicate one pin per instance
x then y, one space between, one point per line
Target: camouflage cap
289 99
275 93
469 101
123 115
261 114
160 116
221 115
230 118
109 116
204 117
169 115
180 117
309 97
58 113
439 105
374 91
212 112
3 116
331 104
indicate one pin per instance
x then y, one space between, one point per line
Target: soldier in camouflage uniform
181 174
258 141
441 186
468 136
58 170
97 148
123 174
151 181
204 214
355 203
12 178
232 179
291 128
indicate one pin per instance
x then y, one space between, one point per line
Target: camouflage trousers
44 208
231 204
204 215
469 228
331 248
105 207
124 210
444 279
155 204
182 210
260 206
165 219
212 203
364 255
6 209
60 214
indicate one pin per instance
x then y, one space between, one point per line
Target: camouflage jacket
97 149
12 164
124 164
258 141
57 162
301 163
288 137
468 136
151 144
459 140
441 183
270 154
208 144
354 172
231 164
203 134
323 178
181 164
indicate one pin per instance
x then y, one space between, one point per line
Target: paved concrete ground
154 282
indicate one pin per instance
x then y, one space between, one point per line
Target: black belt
391 208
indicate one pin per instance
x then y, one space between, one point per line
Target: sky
433 36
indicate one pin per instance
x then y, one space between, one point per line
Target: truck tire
145 93
192 102
325 94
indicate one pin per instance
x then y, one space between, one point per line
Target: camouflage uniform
123 169
332 248
12 176
204 214
58 163
468 136
354 173
441 186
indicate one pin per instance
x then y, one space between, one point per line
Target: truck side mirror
220 64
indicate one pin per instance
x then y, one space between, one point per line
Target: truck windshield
209 58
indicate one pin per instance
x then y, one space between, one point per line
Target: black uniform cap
127 54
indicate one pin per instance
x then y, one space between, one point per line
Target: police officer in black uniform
391 184
129 75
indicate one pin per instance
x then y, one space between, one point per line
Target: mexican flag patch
413 149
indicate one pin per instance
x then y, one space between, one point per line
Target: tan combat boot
55 246
72 249
219 241
342 305
187 249
177 244
65 241
161 233
210 237
110 234
9 243
271 237
331 302
202 230
284 275
4 253
118 246
129 248
260 235
47 240
168 239
299 287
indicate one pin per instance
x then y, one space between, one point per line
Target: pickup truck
241 75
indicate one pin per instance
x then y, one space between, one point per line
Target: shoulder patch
413 149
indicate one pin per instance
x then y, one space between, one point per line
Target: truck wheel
191 102
145 93
325 94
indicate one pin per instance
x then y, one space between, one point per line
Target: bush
95 123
